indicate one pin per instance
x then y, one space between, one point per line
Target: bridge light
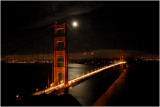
51 84
84 53
36 89
91 53
70 87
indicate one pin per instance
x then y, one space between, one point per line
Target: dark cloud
101 25
59 10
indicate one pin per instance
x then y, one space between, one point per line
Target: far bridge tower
121 59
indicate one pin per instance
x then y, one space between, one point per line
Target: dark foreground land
142 84
141 88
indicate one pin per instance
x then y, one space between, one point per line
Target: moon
75 24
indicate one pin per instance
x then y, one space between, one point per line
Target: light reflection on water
88 91
79 91
75 70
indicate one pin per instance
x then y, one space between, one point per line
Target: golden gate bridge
58 57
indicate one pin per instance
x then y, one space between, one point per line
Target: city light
18 97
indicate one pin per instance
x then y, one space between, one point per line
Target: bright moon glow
74 24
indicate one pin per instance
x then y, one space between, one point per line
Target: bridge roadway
73 81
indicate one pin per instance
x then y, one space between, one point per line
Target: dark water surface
141 88
88 91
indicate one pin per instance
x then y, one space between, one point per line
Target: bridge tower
121 59
60 54
121 55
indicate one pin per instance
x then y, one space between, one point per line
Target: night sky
101 25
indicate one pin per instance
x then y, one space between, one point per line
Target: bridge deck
71 82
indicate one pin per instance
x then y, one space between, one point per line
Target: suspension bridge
55 52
